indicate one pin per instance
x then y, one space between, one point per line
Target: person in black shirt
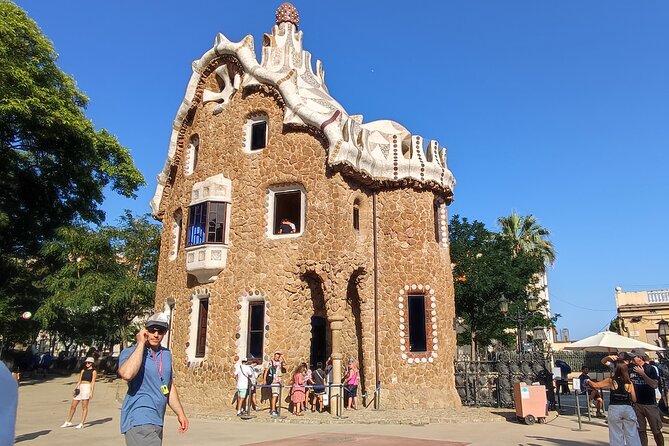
645 379
622 418
83 392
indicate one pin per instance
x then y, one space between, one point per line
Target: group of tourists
633 403
305 386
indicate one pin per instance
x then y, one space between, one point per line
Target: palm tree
527 236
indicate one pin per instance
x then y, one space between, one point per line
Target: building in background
639 312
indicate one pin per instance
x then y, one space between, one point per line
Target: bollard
279 400
578 412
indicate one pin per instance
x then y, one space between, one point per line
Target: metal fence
488 380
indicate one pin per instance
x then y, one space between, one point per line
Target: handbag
77 391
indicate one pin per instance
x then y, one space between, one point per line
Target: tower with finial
290 224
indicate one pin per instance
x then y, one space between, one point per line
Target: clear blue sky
557 109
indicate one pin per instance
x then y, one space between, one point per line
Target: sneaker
240 413
79 426
274 413
66 424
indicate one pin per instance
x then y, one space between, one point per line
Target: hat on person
641 353
90 359
157 320
278 352
245 360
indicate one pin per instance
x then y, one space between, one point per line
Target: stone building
362 267
640 311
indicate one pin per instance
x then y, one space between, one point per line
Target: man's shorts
241 393
319 390
144 435
650 412
275 389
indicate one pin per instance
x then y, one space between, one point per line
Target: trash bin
531 404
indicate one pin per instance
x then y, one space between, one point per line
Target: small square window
286 212
258 135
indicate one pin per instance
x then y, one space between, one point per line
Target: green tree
527 236
54 165
101 280
485 269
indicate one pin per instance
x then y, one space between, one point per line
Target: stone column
335 330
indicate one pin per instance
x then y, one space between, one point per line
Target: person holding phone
147 367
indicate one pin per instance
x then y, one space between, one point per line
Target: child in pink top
297 393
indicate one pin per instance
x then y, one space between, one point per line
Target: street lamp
520 316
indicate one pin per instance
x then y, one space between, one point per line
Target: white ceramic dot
433 299
401 299
401 326
435 340
401 312
433 305
433 313
413 286
403 348
434 326
404 356
427 287
410 360
420 287
423 359
401 334
434 354
401 292
401 306
431 291
406 287
430 359
434 319
434 332
436 347
401 319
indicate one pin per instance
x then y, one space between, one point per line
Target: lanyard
159 367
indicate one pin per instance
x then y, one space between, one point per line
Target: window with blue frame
206 223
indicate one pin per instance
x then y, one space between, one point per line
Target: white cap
158 319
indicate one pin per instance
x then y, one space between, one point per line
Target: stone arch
320 336
354 308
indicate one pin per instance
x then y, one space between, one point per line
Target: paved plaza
43 406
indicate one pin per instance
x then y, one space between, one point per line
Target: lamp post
520 316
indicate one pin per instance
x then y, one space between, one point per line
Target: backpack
271 371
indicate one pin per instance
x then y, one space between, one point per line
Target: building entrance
318 341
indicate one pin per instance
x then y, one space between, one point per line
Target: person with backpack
272 377
318 381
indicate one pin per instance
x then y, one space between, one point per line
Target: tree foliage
54 165
101 280
526 236
485 268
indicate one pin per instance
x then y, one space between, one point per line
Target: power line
552 296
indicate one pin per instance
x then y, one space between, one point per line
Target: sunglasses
158 330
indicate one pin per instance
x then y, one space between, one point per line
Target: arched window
176 234
356 214
192 154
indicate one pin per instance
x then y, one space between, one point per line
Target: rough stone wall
409 255
274 268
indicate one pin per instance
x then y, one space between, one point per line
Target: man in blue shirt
147 367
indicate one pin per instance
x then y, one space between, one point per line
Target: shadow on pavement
31 436
570 442
100 421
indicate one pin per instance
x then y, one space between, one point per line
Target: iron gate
488 380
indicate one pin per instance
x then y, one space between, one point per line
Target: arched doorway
319 350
